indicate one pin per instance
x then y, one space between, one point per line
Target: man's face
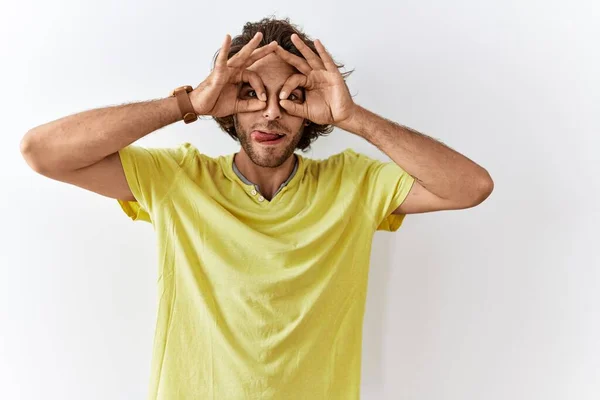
273 118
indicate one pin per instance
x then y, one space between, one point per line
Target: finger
292 83
313 60
257 84
292 59
249 105
292 108
240 57
260 53
222 57
327 60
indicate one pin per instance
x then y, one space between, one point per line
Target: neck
268 179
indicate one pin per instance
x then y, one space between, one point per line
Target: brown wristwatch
185 104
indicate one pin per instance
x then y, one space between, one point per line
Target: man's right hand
217 95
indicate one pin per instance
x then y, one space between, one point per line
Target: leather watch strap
185 104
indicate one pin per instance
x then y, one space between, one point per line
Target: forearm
441 170
83 139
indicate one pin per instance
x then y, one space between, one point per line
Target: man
264 254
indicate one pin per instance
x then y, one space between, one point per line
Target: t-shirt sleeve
384 186
150 172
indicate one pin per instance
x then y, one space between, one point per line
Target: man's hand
217 95
327 99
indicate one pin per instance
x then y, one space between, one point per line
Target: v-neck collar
247 181
250 189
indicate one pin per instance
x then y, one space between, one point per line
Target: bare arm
80 140
444 178
82 149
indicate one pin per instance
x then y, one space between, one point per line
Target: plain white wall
495 302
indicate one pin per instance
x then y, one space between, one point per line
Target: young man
264 254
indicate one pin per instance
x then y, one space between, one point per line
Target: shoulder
347 162
158 155
336 160
188 155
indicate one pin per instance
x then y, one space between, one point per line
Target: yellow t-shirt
260 299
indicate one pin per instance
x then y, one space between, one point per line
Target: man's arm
83 149
78 141
444 178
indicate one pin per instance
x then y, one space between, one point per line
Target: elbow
28 152
484 188
25 147
25 143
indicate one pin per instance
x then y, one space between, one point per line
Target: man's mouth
267 138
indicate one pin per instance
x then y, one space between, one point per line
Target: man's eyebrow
247 85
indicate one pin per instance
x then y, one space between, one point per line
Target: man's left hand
327 99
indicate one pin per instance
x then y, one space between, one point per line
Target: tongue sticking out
263 137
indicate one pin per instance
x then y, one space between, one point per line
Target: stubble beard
267 156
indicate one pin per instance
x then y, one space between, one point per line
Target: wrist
182 96
197 100
349 123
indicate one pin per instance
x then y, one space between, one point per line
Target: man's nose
273 109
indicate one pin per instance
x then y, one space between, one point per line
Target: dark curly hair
281 31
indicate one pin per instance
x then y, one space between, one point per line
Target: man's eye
249 93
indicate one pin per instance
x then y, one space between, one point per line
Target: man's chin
268 157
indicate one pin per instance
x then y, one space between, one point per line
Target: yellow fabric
260 300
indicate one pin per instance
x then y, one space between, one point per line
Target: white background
497 302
